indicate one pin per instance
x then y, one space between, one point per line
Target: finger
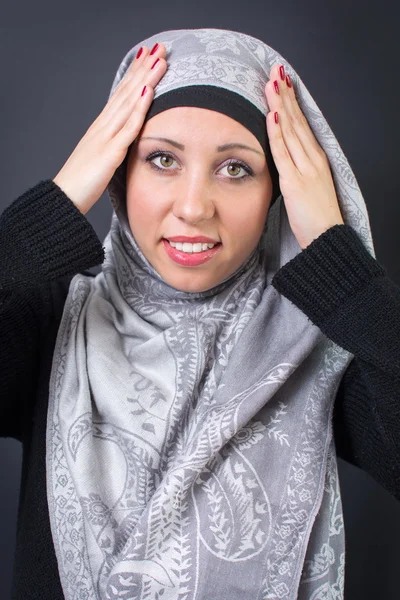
135 76
286 130
297 118
130 129
142 64
283 160
120 111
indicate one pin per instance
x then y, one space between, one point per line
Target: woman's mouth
190 255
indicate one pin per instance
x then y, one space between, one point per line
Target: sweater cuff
45 236
334 267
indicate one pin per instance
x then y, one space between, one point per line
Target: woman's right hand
89 169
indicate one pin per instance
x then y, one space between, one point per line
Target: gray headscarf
190 453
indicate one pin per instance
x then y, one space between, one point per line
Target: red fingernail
144 90
289 83
276 117
139 52
282 72
276 87
154 48
154 64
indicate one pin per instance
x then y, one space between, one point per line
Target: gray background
58 61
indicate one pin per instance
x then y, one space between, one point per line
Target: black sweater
45 241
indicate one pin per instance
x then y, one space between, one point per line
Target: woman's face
190 190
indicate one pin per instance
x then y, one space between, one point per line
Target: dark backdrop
57 64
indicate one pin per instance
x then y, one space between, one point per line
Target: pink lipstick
194 259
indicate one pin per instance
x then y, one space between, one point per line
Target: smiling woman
212 190
180 439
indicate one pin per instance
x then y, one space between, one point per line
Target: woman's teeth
190 248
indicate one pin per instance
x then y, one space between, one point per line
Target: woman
183 407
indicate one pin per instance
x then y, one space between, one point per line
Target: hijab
190 452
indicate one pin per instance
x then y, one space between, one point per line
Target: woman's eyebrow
219 148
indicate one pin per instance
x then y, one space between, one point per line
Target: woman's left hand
305 177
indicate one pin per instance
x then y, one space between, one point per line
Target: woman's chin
191 283
191 279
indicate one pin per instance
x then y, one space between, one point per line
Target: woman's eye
234 170
165 160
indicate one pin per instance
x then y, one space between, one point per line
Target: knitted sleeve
348 294
37 246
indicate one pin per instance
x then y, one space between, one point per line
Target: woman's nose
193 203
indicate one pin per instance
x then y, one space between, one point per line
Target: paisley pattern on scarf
189 437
